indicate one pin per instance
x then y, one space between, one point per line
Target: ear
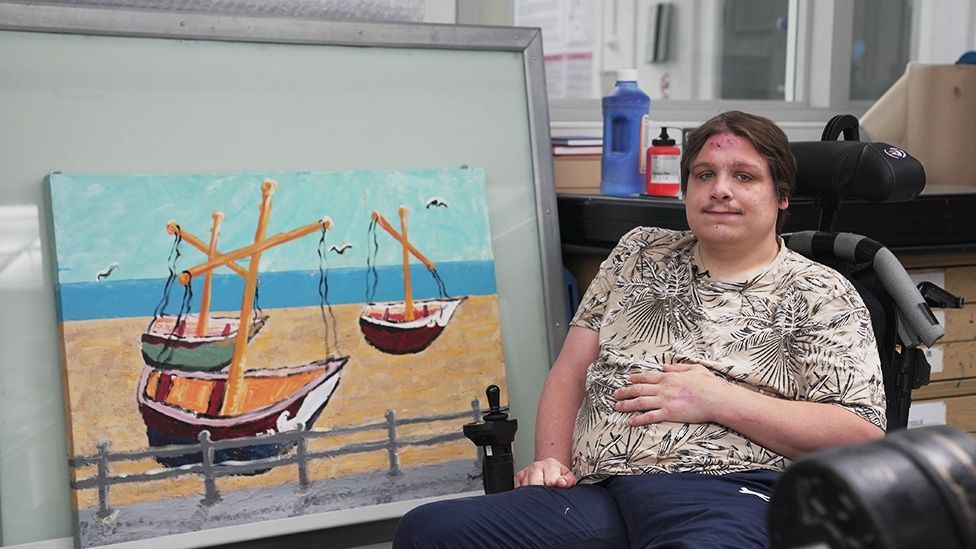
783 204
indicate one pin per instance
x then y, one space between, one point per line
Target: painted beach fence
247 347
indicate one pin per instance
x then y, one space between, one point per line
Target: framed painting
96 90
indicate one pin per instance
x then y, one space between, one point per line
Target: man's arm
690 393
561 397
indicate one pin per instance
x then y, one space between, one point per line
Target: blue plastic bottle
625 117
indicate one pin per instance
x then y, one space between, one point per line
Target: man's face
730 200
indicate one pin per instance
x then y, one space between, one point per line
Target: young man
698 364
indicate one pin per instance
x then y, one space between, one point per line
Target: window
788 59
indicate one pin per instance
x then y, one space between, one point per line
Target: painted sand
105 364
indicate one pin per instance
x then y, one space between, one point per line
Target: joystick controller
495 435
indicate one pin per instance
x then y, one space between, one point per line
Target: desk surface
942 220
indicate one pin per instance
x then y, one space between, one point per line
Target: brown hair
767 138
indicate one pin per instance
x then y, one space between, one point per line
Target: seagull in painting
106 272
340 249
437 202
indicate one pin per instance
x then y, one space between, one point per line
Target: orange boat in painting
176 406
408 326
178 403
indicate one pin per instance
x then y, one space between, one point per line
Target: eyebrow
735 165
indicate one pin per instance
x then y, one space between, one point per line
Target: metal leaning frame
182 25
198 26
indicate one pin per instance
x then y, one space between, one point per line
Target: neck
728 262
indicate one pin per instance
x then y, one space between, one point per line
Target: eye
705 175
743 177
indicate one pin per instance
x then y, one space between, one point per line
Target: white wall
945 29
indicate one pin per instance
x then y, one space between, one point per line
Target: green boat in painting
171 342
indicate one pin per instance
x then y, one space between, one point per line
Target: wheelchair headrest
874 172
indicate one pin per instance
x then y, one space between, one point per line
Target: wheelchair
910 489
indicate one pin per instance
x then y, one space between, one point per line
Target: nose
722 188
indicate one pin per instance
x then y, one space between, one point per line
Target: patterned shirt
793 329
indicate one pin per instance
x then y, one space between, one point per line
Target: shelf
929 224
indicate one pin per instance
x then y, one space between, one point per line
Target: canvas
249 347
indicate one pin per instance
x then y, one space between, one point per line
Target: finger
535 476
638 404
679 367
566 480
570 479
647 418
552 476
518 477
635 391
644 377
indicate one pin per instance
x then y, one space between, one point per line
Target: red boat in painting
384 325
177 406
408 326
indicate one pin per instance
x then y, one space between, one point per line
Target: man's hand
682 393
547 472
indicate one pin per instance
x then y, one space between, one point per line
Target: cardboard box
946 389
959 412
576 174
960 324
952 360
914 260
931 112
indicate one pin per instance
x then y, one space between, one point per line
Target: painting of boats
224 366
384 325
177 406
170 342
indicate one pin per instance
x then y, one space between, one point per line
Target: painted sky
121 218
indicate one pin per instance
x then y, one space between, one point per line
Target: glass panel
879 49
693 49
753 49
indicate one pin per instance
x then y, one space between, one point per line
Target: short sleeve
594 302
843 366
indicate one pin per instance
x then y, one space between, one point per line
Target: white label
665 169
934 356
642 151
935 277
925 414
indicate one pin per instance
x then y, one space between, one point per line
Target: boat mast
407 247
218 218
407 294
173 228
235 376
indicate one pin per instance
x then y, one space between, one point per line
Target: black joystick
495 435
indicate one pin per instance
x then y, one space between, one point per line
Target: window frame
818 77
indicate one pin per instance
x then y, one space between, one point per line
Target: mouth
721 213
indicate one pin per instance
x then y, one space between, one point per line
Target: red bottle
663 167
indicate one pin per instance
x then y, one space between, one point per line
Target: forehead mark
724 140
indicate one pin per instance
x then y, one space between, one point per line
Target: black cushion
874 172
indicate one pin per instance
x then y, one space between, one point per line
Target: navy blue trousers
661 511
